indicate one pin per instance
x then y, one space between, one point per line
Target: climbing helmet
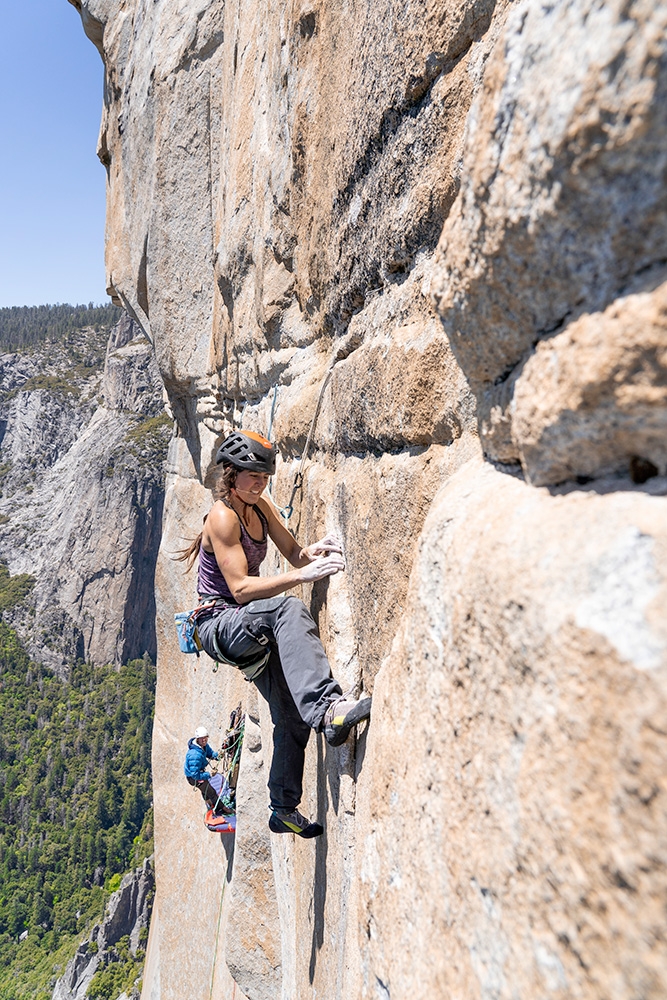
246 450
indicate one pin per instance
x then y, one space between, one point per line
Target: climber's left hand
326 546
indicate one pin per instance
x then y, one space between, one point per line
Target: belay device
222 817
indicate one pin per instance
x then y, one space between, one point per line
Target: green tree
75 804
26 326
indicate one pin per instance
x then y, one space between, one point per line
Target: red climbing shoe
294 822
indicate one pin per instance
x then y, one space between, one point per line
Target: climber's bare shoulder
221 528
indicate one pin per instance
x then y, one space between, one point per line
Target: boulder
593 400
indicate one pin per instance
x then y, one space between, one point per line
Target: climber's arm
287 544
223 534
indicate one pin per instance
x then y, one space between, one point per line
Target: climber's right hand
321 567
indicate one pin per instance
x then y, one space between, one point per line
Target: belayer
256 625
196 763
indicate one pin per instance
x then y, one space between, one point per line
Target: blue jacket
196 759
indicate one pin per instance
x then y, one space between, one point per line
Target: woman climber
269 634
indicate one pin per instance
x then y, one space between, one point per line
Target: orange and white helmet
246 450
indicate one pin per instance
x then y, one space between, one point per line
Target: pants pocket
234 641
258 617
267 606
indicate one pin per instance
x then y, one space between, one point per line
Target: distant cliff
83 438
114 946
446 223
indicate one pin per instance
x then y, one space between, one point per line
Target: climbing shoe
341 715
294 822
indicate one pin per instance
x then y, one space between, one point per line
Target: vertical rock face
562 212
83 448
441 227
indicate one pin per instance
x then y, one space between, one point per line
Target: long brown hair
222 486
224 483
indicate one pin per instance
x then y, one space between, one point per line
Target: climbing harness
186 626
249 670
189 641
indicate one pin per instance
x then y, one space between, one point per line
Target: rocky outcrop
83 443
536 783
441 228
127 915
594 397
562 212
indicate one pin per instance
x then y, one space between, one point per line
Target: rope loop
350 343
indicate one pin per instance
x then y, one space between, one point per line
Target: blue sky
52 186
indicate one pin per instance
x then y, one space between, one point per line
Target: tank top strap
263 521
262 516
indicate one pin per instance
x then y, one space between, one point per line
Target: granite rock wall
439 228
83 439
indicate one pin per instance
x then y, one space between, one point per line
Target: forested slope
82 450
75 805
27 326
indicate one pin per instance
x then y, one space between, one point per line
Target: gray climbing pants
296 683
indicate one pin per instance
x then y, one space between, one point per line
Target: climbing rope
229 757
243 409
217 935
288 510
345 348
273 410
268 434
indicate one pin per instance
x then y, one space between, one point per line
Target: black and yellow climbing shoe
341 715
294 822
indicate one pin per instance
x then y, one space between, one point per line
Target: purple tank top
211 582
